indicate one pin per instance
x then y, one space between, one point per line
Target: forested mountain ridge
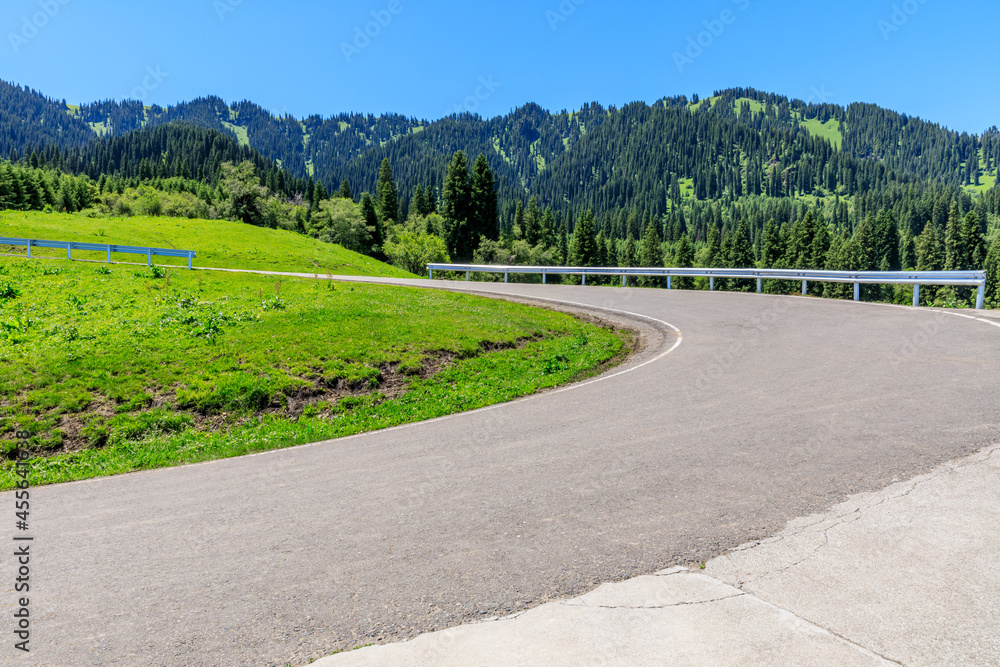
522 145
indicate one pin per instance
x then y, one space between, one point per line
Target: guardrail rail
70 246
975 279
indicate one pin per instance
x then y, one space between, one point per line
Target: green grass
830 130
241 133
117 369
219 243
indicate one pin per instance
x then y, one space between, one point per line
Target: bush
413 251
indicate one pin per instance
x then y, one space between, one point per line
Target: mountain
643 158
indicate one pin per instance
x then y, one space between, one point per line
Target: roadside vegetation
122 368
219 243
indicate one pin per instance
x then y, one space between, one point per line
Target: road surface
760 410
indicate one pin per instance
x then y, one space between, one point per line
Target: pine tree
563 250
456 200
771 250
319 194
431 201
533 223
928 250
388 196
345 190
992 266
974 242
584 251
419 203
372 220
650 249
684 259
518 230
955 252
714 258
484 220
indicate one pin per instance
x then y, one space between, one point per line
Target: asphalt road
769 408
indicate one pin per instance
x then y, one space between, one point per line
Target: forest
741 179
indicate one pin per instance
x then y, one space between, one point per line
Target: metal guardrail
70 246
916 278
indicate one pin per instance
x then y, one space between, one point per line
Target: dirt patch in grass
317 399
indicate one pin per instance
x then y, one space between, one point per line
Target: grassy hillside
125 368
830 130
219 243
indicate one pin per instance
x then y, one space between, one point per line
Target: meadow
221 244
111 369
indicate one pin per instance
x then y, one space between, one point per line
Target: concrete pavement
908 575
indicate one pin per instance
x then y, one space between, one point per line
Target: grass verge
112 370
220 244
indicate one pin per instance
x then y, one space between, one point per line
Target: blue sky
927 58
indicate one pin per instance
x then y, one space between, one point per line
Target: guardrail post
69 251
711 283
468 274
430 275
857 291
668 282
109 254
916 295
584 282
624 280
805 287
29 248
190 257
149 257
505 274
759 281
981 297
544 276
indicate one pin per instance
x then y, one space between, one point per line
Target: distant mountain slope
597 156
29 119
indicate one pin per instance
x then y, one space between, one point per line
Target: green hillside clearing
219 243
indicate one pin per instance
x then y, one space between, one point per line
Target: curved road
770 408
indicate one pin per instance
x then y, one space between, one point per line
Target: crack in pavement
661 606
854 515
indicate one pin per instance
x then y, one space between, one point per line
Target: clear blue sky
928 58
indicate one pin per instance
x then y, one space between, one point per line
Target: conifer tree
372 220
431 201
650 249
584 251
771 250
388 196
992 266
928 250
484 221
456 200
345 190
974 241
955 252
518 230
684 259
419 203
532 223
714 258
563 250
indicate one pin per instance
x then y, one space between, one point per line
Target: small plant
103 271
554 365
9 291
52 271
76 301
274 304
156 272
